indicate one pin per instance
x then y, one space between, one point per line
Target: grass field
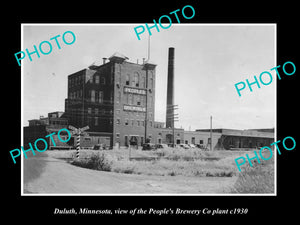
178 162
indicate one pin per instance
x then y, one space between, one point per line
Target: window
138 100
151 83
102 80
136 79
130 99
138 123
97 79
208 140
118 121
201 142
89 94
96 96
193 140
89 110
126 122
117 135
96 121
100 96
96 111
127 79
92 95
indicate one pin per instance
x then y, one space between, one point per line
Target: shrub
256 179
95 162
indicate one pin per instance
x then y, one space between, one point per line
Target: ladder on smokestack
171 115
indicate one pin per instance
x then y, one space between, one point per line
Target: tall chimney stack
170 90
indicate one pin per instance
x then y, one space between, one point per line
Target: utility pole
211 133
146 106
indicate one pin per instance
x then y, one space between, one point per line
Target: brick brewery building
117 101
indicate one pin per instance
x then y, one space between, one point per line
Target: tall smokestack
170 90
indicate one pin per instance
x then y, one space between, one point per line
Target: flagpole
148 47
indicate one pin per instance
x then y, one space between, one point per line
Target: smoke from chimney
170 89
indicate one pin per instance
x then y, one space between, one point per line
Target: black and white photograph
160 115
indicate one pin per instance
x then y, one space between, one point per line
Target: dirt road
46 175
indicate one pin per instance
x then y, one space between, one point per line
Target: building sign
135 91
134 108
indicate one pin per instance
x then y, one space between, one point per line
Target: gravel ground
47 175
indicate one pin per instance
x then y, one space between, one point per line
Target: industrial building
117 101
230 138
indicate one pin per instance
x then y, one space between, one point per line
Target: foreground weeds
166 162
179 162
256 179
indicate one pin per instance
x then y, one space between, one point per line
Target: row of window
132 122
93 95
193 141
96 111
78 80
75 94
133 99
97 96
95 120
127 139
73 81
136 80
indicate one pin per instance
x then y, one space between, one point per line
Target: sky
209 60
